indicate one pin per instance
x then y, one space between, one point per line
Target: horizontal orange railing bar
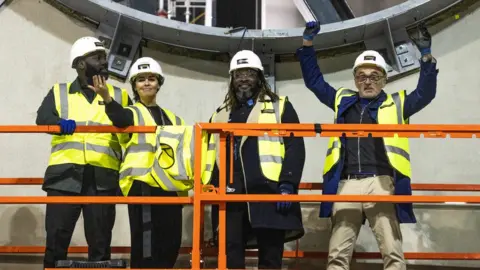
93 200
354 130
212 198
340 198
213 252
306 130
78 129
303 186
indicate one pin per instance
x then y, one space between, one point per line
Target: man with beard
84 164
368 166
261 165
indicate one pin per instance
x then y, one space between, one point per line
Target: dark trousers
155 229
60 221
270 241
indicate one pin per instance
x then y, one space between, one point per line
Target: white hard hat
145 65
372 58
84 46
245 59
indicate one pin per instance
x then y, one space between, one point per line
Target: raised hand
311 30
422 39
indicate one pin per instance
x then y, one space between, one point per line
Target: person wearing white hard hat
261 165
368 166
81 163
163 223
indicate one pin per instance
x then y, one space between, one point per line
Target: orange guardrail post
197 203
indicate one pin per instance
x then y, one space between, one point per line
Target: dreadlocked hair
265 90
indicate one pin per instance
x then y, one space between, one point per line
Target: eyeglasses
372 78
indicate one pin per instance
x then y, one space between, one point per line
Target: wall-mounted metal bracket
395 46
123 41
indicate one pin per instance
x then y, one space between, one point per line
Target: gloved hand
284 207
311 30
422 39
67 126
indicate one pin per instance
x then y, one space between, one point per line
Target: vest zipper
358 140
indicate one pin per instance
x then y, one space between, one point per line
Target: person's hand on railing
311 30
284 207
67 126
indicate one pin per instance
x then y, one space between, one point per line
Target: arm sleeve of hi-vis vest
294 160
47 113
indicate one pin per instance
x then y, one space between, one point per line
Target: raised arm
427 82
312 75
121 117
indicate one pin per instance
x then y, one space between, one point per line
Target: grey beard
243 96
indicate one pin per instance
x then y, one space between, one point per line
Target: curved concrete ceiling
276 41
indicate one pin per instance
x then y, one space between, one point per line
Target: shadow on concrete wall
40 14
26 229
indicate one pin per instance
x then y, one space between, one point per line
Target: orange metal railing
208 195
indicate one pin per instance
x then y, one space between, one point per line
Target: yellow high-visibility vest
271 149
97 149
389 112
163 159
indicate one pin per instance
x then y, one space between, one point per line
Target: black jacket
69 177
265 215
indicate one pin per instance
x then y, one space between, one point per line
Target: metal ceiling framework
124 28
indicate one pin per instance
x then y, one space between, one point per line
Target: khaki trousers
347 219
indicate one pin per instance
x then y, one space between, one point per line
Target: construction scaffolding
207 194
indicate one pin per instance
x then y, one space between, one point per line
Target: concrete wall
34 49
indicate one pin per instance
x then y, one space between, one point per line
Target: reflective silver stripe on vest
398 151
336 144
209 167
90 123
63 100
178 121
192 151
270 158
142 137
165 180
91 147
133 172
117 95
270 138
398 104
179 159
142 145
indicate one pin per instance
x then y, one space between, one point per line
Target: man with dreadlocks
261 165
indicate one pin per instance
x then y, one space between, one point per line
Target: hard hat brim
370 65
